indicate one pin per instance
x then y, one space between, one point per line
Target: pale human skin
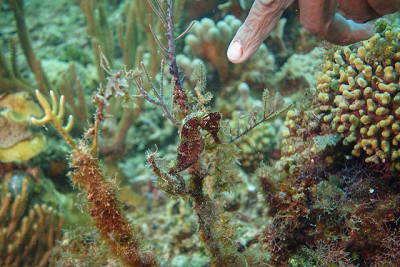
319 17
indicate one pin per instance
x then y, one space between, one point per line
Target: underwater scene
199 133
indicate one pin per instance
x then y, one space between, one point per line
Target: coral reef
359 92
307 137
328 204
226 180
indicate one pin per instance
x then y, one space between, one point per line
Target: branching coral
209 40
26 240
55 115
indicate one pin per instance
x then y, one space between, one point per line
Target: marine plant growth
206 151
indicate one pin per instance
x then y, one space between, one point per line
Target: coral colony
305 173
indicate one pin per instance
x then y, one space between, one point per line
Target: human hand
317 16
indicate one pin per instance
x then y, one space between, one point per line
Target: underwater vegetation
179 157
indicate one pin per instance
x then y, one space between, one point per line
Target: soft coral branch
159 95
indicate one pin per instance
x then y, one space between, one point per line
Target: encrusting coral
359 92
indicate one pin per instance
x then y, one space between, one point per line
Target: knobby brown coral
359 90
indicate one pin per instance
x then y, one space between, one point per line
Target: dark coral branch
160 96
171 43
180 97
179 94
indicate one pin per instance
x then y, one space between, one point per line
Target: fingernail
235 51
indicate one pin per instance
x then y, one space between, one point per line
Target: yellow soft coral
55 115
